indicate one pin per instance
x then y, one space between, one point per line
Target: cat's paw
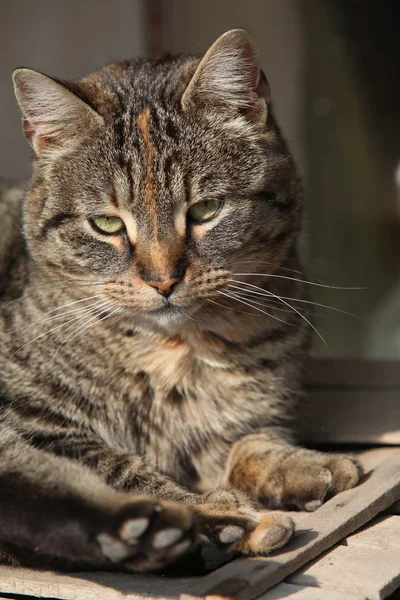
230 526
304 479
149 534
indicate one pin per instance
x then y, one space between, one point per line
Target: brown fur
111 389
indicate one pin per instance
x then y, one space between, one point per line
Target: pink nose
165 287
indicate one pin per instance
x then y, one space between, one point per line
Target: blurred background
333 67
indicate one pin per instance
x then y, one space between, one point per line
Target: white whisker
60 316
85 325
289 305
267 294
92 311
332 287
47 333
249 295
242 312
266 262
71 303
255 308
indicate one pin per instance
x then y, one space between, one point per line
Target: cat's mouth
168 309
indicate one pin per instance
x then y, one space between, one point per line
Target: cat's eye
108 225
204 211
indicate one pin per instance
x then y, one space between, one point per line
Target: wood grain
288 591
317 532
362 571
87 586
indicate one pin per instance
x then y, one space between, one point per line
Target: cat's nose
165 287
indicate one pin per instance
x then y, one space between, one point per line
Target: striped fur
110 389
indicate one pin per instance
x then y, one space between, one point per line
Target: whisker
60 316
25 296
255 308
268 262
294 310
45 333
71 303
266 294
92 311
339 310
189 317
289 305
242 312
249 295
81 329
332 287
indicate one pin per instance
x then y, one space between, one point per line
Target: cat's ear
229 76
54 118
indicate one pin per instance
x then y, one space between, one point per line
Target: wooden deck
349 549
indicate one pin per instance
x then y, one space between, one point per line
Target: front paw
297 478
147 534
231 526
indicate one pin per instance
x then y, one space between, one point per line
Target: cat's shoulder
11 197
11 237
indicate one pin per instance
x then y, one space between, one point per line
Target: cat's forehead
131 86
164 157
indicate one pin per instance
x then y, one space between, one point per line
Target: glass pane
333 70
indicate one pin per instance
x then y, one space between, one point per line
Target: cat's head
157 180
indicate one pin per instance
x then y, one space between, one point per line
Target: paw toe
312 505
167 537
132 529
273 531
151 534
112 548
231 534
346 472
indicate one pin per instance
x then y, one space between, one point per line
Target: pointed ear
229 76
53 117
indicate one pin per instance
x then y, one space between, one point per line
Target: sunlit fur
154 393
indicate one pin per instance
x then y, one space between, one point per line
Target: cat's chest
179 398
175 361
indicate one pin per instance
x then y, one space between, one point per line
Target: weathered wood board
317 532
288 591
371 573
87 586
383 533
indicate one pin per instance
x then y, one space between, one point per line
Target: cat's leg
228 519
279 474
52 507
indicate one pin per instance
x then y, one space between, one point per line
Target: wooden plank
301 592
372 458
383 533
351 416
86 586
335 520
328 372
394 509
361 571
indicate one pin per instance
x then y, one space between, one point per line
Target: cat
151 358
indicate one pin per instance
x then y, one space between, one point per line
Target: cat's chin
167 315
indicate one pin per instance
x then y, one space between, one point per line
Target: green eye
109 225
204 211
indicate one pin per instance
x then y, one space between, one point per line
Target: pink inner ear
36 135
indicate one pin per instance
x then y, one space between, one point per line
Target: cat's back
12 246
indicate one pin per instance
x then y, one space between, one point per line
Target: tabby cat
151 353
